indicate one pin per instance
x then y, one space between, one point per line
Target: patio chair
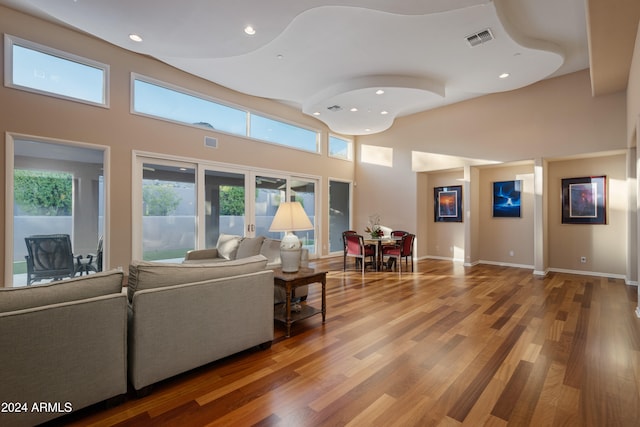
49 257
91 262
356 248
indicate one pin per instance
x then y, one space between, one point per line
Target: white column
539 219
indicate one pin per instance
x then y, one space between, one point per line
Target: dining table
379 242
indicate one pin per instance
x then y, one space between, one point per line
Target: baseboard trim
506 264
441 258
590 273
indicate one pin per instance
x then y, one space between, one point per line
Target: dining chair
407 249
392 254
49 257
398 233
356 248
344 247
397 252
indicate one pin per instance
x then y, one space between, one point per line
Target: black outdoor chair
91 262
49 257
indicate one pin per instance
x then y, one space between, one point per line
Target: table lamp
290 217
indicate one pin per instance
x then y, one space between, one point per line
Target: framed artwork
447 204
506 199
584 200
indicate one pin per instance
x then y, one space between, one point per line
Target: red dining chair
344 247
398 233
393 254
407 248
356 248
396 252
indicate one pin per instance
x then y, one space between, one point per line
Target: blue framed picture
506 199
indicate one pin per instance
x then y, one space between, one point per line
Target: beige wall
47 117
552 119
506 240
605 246
443 239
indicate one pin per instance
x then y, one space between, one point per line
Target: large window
44 70
168 211
340 148
283 133
181 205
160 100
56 188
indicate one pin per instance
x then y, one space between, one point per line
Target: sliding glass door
224 205
269 193
339 213
186 206
168 210
304 191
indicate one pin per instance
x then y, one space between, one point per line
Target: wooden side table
289 282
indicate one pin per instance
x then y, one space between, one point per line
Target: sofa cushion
271 249
150 275
93 285
249 246
228 245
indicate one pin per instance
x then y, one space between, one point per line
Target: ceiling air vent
334 108
479 37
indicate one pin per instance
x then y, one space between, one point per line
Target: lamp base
290 259
290 252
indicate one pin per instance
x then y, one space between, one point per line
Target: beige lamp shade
291 217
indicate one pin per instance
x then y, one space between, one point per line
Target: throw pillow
228 245
249 246
271 249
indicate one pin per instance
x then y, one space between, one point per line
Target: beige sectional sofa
63 346
72 343
233 247
183 316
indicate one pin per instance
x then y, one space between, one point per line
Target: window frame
10 41
202 96
349 141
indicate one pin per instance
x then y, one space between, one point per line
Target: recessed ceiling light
316 113
280 56
354 109
367 130
383 112
503 75
249 30
379 92
135 37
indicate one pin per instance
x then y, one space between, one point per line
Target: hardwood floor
443 346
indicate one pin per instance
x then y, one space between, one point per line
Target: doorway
56 187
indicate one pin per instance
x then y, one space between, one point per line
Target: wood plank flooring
442 346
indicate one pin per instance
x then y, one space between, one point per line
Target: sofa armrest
199 254
74 353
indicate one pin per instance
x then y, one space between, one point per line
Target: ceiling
331 59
